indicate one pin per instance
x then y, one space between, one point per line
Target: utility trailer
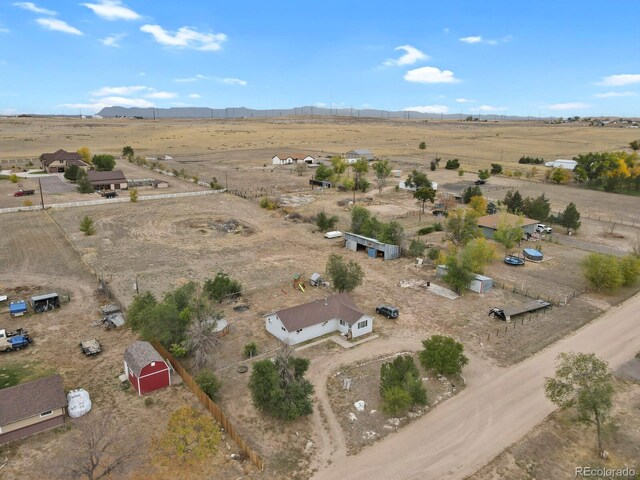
90 347
10 341
46 302
506 313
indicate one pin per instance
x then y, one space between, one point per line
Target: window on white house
343 323
283 329
299 330
46 414
363 324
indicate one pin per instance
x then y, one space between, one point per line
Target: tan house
58 161
31 407
489 223
114 180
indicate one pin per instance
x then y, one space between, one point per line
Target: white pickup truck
542 228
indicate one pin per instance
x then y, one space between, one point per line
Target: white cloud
186 37
567 106
113 40
428 109
195 78
477 39
195 95
4 30
430 75
180 104
58 26
94 107
321 104
32 7
127 102
615 94
411 56
620 80
489 108
234 81
161 95
464 100
112 10
105 91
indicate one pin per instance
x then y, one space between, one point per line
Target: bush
438 227
221 287
209 383
496 169
433 254
86 226
179 350
602 272
268 203
324 222
426 230
104 163
13 178
396 401
27 203
471 192
417 248
433 166
215 185
443 355
452 164
148 402
531 160
250 350
133 195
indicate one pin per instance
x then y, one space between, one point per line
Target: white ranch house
562 163
289 158
336 313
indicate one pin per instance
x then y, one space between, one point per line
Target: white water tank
79 403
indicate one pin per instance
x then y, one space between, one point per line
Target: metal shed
373 247
480 283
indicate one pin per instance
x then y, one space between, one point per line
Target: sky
539 58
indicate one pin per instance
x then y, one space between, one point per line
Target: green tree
222 287
71 173
508 234
345 276
360 168
602 272
278 387
382 170
339 165
403 373
471 192
484 174
514 202
477 254
537 208
250 350
478 204
443 354
324 222
417 179
417 248
584 382
86 226
570 218
191 437
560 176
461 226
128 153
209 383
137 311
104 162
459 273
423 194
635 145
323 173
84 186
396 401
496 169
423 146
360 218
452 164
392 233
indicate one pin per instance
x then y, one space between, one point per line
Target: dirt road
469 430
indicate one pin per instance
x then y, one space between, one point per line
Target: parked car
109 194
22 193
388 311
480 182
542 228
440 213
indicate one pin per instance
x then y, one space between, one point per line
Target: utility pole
136 286
226 182
41 197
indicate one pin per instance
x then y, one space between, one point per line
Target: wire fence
211 407
535 295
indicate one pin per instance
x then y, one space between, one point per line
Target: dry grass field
164 243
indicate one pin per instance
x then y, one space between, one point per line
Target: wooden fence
213 409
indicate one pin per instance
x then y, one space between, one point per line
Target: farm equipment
17 340
90 347
22 193
112 316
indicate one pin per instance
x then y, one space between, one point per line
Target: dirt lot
557 446
36 258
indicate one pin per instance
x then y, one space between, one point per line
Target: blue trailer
17 308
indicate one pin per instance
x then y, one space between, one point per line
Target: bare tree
202 335
101 449
300 168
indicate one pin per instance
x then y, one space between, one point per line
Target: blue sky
539 58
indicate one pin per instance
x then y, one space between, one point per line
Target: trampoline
514 260
532 254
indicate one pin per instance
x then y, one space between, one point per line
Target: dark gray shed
373 247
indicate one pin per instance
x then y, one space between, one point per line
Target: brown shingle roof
106 178
61 156
338 306
140 354
31 398
491 221
295 156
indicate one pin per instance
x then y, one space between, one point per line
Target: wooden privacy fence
213 409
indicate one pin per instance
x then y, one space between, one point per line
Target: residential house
31 407
489 224
59 161
336 313
352 155
289 158
113 180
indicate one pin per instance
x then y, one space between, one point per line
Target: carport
373 247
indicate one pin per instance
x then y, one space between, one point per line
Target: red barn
146 369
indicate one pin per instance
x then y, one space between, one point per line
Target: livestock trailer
43 303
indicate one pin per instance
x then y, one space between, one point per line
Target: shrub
209 383
222 286
417 248
452 164
13 178
250 350
148 402
602 272
432 166
27 203
104 163
395 401
426 230
86 226
268 203
215 185
178 350
433 254
496 169
438 227
133 195
324 222
443 355
531 160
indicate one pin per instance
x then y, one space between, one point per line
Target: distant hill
242 112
